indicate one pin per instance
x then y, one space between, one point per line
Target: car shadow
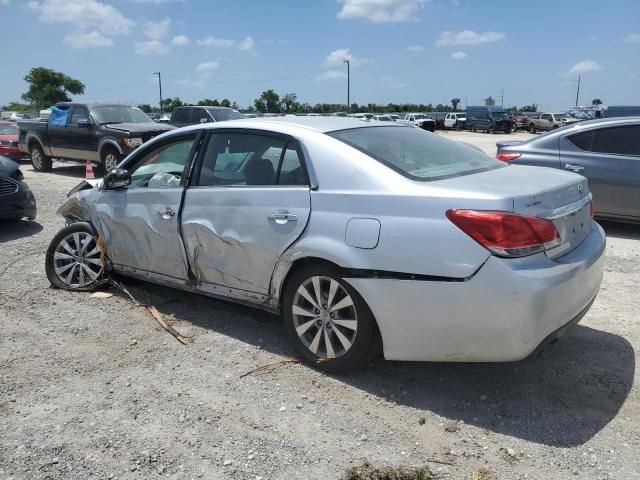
15 229
70 170
561 397
620 230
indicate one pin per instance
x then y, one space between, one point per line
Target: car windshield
499 115
221 114
8 129
420 117
118 114
416 154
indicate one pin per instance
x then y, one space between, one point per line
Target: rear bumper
502 313
18 205
13 153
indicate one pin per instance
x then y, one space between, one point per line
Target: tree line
47 87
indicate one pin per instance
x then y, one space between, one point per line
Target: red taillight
507 156
507 234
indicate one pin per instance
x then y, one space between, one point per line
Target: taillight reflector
507 234
507 156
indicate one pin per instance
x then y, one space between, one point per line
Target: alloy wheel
77 260
36 159
110 161
325 317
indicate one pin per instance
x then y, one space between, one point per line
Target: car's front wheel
74 259
110 159
328 321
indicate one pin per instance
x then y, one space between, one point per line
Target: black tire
507 130
51 262
473 128
39 161
365 345
458 126
490 131
532 128
109 159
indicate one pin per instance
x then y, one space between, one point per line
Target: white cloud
87 14
207 67
157 30
4 3
180 41
584 66
216 42
337 57
458 55
415 49
379 11
246 44
88 40
156 1
331 75
151 47
632 38
469 37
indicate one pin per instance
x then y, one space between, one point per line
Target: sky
418 51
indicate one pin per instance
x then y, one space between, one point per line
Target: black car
103 133
16 200
489 118
183 116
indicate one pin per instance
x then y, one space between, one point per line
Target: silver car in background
363 236
606 152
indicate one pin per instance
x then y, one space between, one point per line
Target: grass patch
366 471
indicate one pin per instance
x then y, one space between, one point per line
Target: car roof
319 124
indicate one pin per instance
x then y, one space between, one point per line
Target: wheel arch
108 143
32 140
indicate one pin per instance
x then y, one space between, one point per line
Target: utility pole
502 97
160 87
578 91
348 86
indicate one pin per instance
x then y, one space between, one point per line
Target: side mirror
84 123
116 179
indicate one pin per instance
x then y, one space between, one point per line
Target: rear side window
582 140
251 160
181 115
617 140
222 114
415 154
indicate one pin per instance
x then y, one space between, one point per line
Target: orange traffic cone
88 171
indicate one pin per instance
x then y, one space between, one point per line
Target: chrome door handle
282 217
573 168
166 213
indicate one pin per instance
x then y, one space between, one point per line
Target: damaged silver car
363 237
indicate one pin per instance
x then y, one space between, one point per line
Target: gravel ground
93 388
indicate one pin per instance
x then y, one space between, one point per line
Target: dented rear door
249 201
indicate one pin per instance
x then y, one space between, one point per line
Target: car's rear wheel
74 260
328 321
532 128
473 128
40 162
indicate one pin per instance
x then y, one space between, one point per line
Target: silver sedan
364 237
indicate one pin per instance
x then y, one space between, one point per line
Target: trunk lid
559 196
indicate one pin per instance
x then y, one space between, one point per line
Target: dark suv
488 118
183 116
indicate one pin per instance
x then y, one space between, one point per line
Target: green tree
489 101
225 102
21 107
454 103
207 102
145 107
268 102
530 108
168 104
596 102
289 102
47 87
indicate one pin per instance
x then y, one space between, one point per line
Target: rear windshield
416 154
104 114
223 114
